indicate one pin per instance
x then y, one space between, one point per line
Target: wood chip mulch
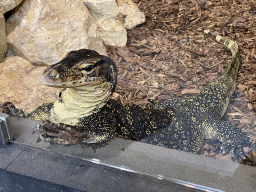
169 56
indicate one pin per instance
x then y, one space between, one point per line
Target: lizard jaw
54 81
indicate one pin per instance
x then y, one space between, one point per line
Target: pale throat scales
78 102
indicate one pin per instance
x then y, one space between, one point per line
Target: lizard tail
233 65
228 43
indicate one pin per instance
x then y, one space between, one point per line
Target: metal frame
5 135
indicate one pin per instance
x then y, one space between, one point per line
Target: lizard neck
78 102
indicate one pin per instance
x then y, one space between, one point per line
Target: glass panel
174 85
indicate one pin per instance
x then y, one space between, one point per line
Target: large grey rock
7 5
110 25
20 83
43 31
3 40
131 13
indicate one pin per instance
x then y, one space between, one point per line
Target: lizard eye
87 69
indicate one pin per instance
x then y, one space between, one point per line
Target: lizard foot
235 149
61 133
9 108
237 153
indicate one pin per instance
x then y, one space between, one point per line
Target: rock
20 83
112 31
131 13
7 5
101 8
44 31
110 25
3 40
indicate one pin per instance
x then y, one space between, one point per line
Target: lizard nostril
53 75
56 76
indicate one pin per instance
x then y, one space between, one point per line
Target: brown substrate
169 56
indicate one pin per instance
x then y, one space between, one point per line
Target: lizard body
85 113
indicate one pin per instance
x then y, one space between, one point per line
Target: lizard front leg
96 128
39 114
10 109
61 133
69 135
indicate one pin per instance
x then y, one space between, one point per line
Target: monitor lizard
85 113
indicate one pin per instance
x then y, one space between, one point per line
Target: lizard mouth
53 79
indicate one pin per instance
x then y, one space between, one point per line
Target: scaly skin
200 117
84 112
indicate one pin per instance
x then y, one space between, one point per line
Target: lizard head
80 68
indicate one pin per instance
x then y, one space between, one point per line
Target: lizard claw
9 108
39 139
35 129
61 133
